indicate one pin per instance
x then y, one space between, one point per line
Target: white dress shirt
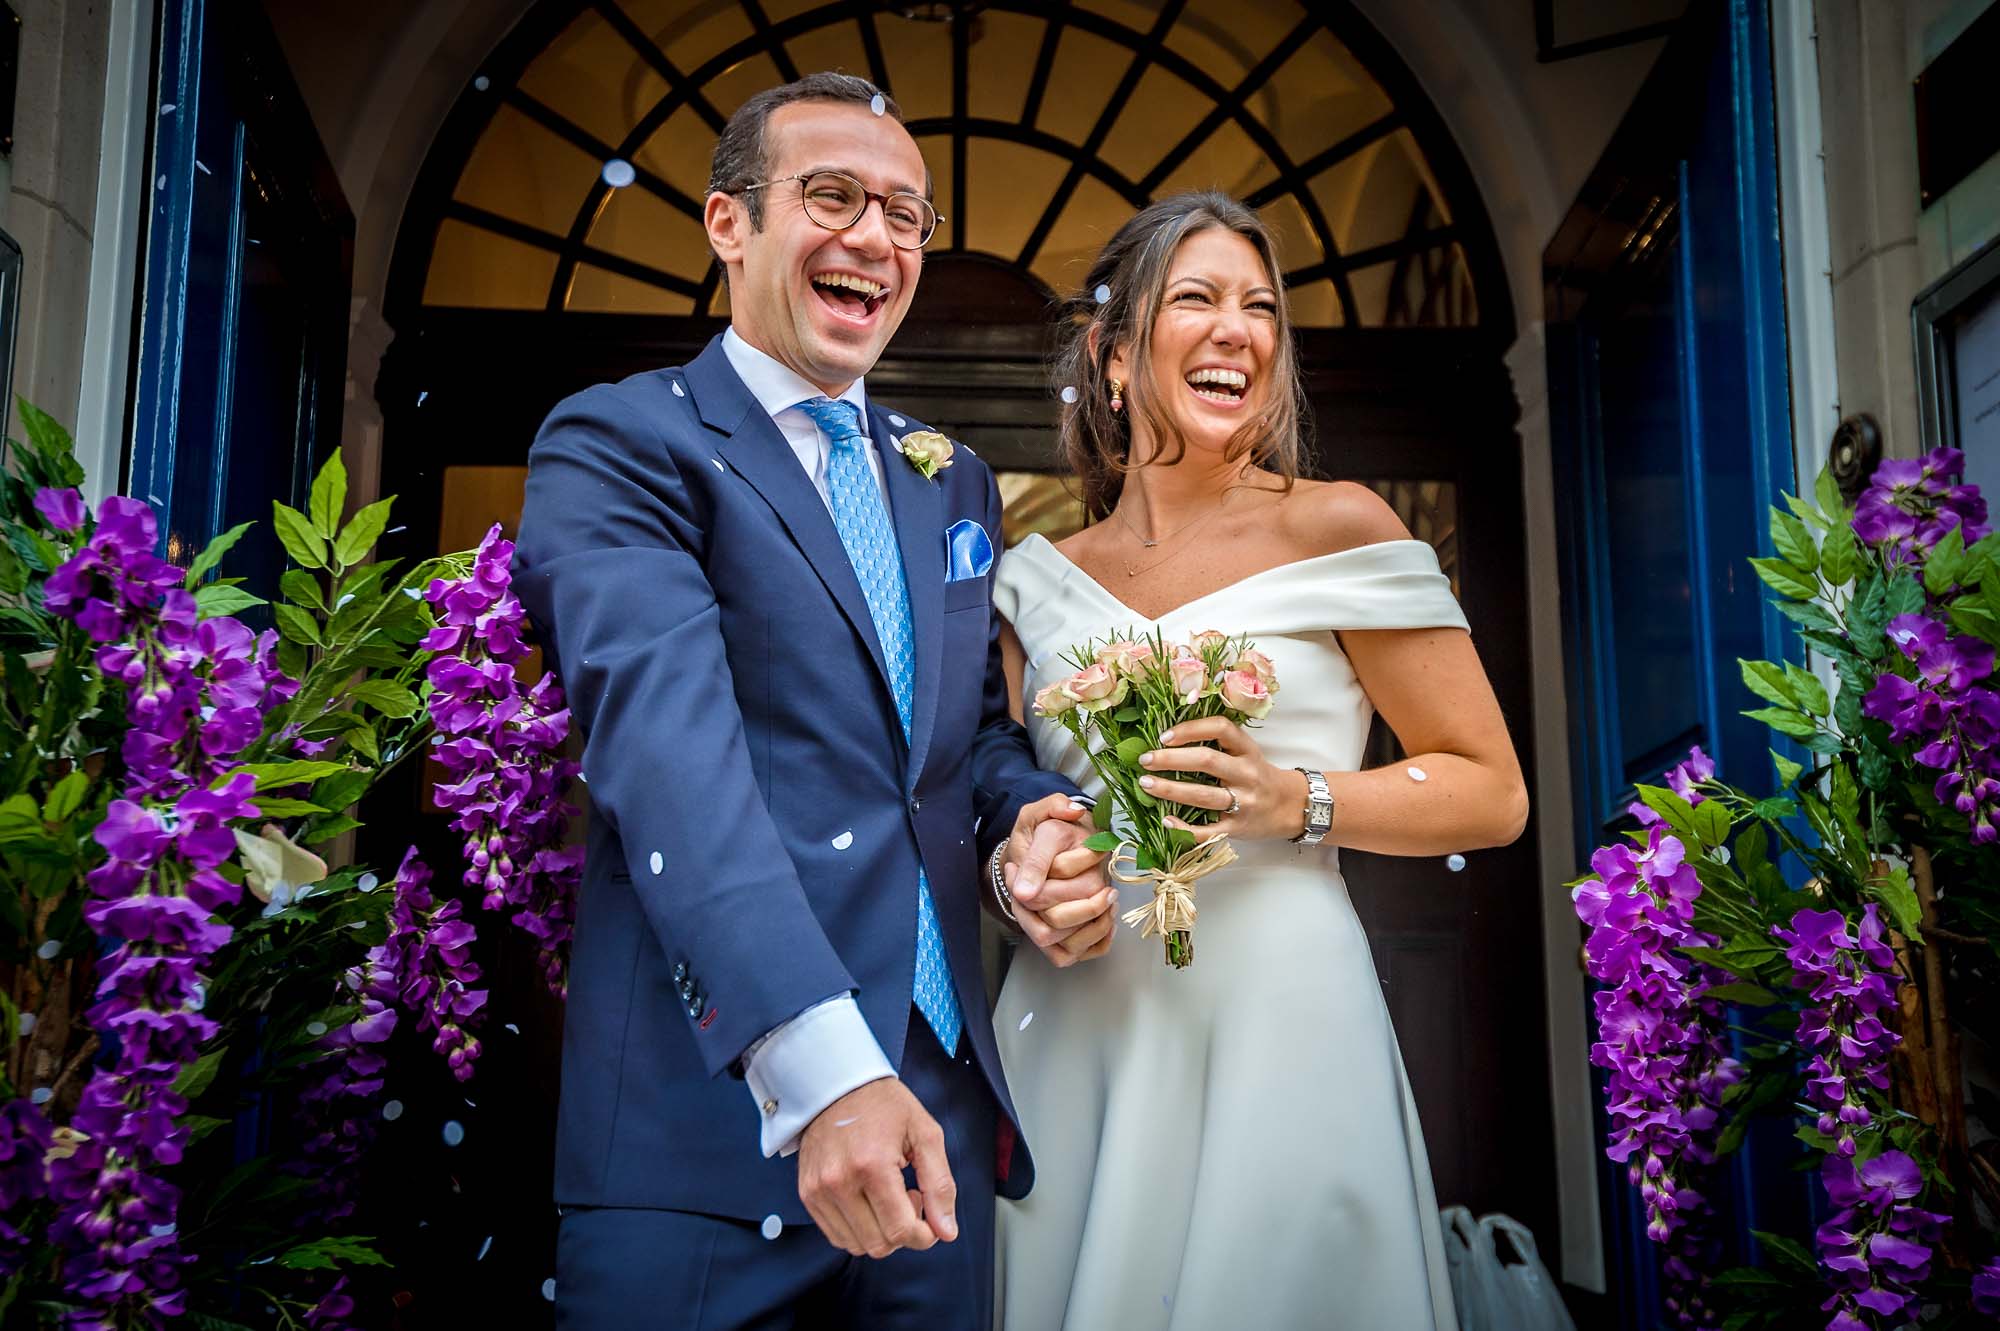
804 1065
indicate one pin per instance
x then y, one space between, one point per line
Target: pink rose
1052 701
1096 688
1127 658
1243 692
1190 676
1208 638
1259 665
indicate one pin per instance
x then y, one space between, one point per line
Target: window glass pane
836 46
637 224
524 172
679 152
1226 38
1316 305
1009 186
473 267
1378 195
1093 213
1225 160
918 55
691 35
1003 60
1318 97
1298 247
1134 14
1037 501
593 77
739 83
474 499
1086 72
1431 289
936 149
1161 111
613 293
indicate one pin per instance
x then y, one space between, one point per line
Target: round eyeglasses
836 200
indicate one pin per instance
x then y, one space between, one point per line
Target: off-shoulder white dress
1230 1147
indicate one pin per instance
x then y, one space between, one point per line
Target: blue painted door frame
1671 419
241 357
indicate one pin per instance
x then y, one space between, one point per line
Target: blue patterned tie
863 522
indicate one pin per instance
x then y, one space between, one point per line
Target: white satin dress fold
1230 1147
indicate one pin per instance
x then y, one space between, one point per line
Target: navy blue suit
691 588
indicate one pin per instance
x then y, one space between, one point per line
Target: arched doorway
552 241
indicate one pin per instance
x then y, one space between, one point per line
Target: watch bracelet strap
1317 793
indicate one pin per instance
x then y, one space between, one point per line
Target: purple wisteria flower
1986 1290
1661 1041
25 1138
1877 1246
63 509
1850 976
1911 503
501 747
1949 712
1683 778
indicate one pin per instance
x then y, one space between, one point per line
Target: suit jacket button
687 990
915 804
680 972
695 1006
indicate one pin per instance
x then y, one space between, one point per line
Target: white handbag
1497 1277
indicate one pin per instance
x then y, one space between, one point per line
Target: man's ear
727 221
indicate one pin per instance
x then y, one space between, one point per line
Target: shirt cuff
806 1064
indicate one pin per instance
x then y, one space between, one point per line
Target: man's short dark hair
742 154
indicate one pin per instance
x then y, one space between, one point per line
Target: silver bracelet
1001 895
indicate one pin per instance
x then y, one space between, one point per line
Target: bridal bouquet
1125 693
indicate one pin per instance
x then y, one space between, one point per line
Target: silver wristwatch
1319 809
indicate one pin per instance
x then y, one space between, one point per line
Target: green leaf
1774 809
196 1076
1785 580
201 1125
1755 995
325 829
20 818
1788 771
1130 748
329 496
341 790
1767 679
363 742
1792 540
1102 842
362 533
1808 614
1898 898
1711 822
66 797
270 807
1826 493
213 600
1101 813
306 546
1906 597
1677 811
297 625
396 701
272 775
330 1252
303 588
205 562
13 573
1125 716
1805 510
1839 556
1807 689
43 430
1795 724
1946 563
1787 1254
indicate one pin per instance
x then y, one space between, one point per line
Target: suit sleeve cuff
806 1064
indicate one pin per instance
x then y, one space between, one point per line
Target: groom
769 600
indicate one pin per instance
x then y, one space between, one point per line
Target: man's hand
851 1161
1061 899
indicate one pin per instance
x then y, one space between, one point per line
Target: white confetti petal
772 1225
678 390
657 863
512 1027
166 108
878 104
897 421
392 1110
843 841
414 593
1024 1022
49 950
1103 294
719 467
1721 854
454 1133
422 395
483 1248
1417 774
367 882
846 1122
341 604
482 83
618 173
161 183
1069 393
549 1289
202 167
315 1028
161 1231
41 1095
27 1024
1455 863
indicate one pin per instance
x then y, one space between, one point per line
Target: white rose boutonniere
928 451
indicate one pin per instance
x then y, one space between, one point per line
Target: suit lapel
756 448
916 504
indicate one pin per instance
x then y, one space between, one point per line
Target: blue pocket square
967 550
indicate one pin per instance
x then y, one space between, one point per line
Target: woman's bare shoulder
1327 517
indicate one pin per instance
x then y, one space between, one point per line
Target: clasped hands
852 1157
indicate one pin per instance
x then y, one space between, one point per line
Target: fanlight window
1045 127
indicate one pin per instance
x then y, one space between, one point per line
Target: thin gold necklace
1132 572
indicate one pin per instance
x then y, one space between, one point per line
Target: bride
1234 1145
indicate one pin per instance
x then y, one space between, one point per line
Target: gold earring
1118 395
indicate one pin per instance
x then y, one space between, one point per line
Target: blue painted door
247 265
1671 418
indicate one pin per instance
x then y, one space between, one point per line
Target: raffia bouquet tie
1171 912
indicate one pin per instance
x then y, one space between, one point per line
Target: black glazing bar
961 66
1038 82
558 245
871 44
787 71
1252 83
650 52
571 132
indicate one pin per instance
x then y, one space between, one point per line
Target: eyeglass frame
868 196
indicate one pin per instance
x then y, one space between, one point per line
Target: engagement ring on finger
1235 805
